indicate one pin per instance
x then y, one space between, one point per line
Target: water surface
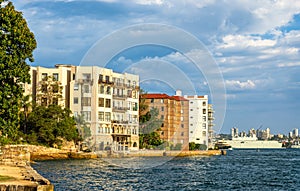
238 170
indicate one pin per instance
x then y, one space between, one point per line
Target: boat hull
235 144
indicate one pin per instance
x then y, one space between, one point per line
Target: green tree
50 124
17 43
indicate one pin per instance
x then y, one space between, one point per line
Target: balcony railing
105 82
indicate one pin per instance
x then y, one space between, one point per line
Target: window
44 88
134 106
55 88
204 118
75 114
107 117
86 101
181 118
86 115
162 108
74 77
191 124
101 89
100 116
44 76
86 89
191 109
100 78
161 100
162 117
129 93
106 78
182 125
152 100
203 133
191 131
107 103
86 77
182 134
204 125
204 111
55 101
55 76
75 101
204 103
101 102
108 90
191 102
76 87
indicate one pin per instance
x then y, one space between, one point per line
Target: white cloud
245 41
238 85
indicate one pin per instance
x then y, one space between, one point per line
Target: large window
107 117
101 102
86 101
86 89
108 90
55 76
101 116
86 115
44 76
75 100
107 103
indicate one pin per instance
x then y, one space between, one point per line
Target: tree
17 43
50 124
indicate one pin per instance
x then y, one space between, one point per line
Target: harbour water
239 170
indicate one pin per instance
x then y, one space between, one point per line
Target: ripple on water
239 170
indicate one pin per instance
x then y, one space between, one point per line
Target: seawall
15 172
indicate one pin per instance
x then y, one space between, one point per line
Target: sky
254 44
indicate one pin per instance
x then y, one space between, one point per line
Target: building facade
51 85
173 111
109 103
199 119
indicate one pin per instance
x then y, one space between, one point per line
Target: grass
6 178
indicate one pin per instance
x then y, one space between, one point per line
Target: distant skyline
256 45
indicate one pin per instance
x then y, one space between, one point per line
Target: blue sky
255 44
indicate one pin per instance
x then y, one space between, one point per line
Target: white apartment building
198 119
109 103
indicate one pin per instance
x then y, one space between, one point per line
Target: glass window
44 76
55 101
100 102
86 115
204 118
86 88
86 101
162 108
107 103
108 90
75 101
76 87
55 76
204 111
204 103
101 116
204 125
107 117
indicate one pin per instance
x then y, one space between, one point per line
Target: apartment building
51 85
173 111
198 119
109 103
211 125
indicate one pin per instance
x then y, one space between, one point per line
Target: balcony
105 82
85 81
116 96
120 109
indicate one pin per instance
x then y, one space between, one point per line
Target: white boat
253 143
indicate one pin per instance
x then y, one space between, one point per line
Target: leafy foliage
17 43
149 125
47 125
